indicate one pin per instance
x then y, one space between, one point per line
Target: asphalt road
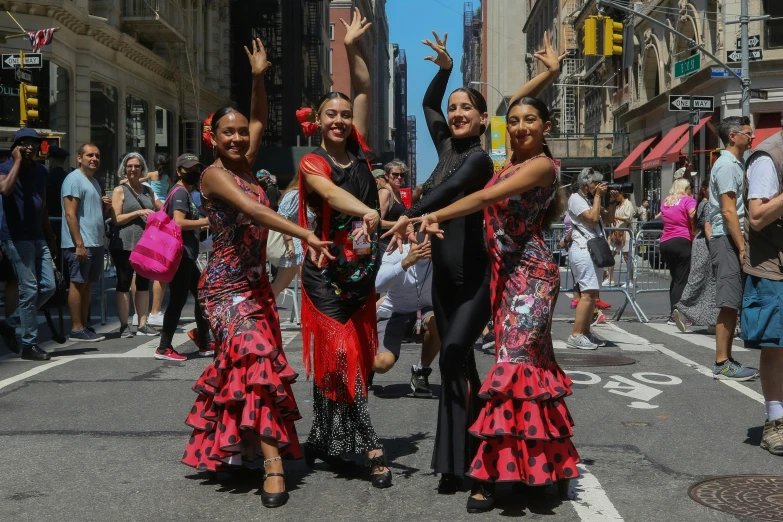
96 434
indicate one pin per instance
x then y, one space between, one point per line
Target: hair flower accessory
306 117
206 130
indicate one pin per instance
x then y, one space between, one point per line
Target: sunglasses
397 175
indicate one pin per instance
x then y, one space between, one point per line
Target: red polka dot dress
245 395
524 426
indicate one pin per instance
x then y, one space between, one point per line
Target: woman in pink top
678 211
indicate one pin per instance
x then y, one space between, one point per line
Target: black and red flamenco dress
245 395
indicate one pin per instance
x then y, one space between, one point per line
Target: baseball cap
263 173
378 173
188 160
24 132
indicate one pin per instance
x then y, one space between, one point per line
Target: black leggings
124 269
676 253
185 281
461 313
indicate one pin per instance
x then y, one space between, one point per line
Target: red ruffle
240 401
525 426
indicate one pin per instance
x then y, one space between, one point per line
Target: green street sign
687 66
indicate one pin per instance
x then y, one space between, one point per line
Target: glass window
774 27
103 130
164 130
135 125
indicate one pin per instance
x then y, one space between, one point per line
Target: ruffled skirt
243 397
524 427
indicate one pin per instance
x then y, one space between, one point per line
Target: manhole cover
756 496
591 359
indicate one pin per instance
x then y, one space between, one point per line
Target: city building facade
121 74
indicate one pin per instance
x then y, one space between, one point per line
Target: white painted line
148 349
691 337
608 332
112 323
30 373
590 500
702 369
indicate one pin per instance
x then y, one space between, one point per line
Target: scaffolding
471 45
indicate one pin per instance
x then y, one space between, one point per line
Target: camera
624 188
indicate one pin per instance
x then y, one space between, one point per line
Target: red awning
625 167
655 158
674 154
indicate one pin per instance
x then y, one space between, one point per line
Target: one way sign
683 103
736 55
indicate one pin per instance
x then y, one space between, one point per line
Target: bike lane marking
692 337
589 499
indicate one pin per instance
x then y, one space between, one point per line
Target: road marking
699 368
590 500
112 323
29 373
607 333
148 349
691 337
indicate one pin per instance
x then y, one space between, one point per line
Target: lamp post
496 90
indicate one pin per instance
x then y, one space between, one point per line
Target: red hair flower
306 117
206 129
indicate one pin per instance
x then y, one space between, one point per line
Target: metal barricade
651 272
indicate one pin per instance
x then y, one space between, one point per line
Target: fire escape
314 84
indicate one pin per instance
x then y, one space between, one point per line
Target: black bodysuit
461 280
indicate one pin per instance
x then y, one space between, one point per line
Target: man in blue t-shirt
84 210
24 232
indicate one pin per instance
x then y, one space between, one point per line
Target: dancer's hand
318 249
429 225
356 29
258 60
548 56
370 222
442 57
398 233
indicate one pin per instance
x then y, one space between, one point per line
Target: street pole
744 20
690 131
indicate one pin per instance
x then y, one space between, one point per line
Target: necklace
341 269
350 161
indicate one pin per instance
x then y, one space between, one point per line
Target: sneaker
734 371
147 330
602 305
126 333
598 318
574 303
596 340
8 334
772 437
420 383
135 321
169 354
671 322
34 352
155 319
678 322
207 352
203 351
91 329
488 341
580 342
86 336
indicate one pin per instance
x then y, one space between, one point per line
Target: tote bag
159 251
275 247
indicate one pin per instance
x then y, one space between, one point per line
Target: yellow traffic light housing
590 42
613 37
28 103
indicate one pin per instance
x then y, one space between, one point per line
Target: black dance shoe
273 500
476 505
379 480
449 484
34 352
336 463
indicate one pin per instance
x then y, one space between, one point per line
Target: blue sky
411 21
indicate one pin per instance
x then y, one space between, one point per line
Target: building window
103 130
774 27
164 130
331 32
135 125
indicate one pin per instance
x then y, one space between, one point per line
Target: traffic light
28 103
613 37
590 47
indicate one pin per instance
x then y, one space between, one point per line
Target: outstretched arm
433 98
259 105
360 74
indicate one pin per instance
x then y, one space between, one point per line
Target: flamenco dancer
461 273
524 427
245 410
338 298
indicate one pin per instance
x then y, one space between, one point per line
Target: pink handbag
159 251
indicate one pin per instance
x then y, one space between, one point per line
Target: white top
408 290
762 179
578 205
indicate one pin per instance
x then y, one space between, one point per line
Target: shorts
87 272
728 273
392 330
586 273
762 321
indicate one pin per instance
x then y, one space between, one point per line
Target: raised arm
360 74
259 105
433 98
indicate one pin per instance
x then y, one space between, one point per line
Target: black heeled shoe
273 500
563 487
379 480
477 505
336 463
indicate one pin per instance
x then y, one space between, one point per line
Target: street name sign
24 75
687 66
720 72
753 41
736 55
758 94
683 103
31 61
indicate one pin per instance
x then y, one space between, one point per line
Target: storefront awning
762 134
625 167
674 154
655 158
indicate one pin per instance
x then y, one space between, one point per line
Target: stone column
81 89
